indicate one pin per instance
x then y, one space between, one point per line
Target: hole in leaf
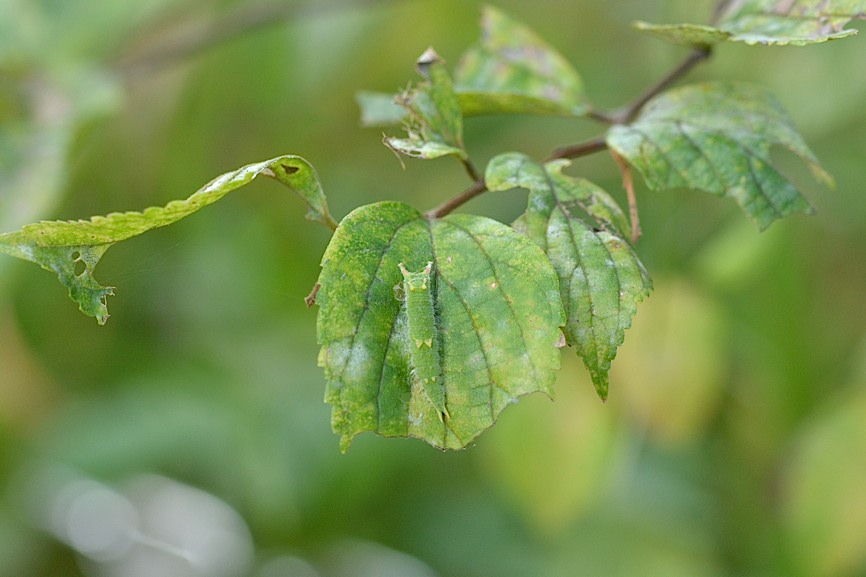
80 267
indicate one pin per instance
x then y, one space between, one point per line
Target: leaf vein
502 293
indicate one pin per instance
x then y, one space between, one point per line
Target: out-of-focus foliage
206 378
823 512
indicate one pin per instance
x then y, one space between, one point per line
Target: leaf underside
717 138
64 246
770 22
601 278
497 311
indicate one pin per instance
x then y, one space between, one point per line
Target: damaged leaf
72 249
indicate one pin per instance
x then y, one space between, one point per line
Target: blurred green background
188 437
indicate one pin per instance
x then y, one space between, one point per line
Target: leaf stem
473 173
628 185
330 223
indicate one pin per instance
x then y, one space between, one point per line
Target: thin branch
601 116
588 147
480 187
580 149
446 207
696 56
628 185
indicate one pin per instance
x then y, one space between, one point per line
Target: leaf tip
822 176
427 59
602 390
345 443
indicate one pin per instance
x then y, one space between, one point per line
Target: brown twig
471 170
446 207
631 111
627 115
580 149
310 299
628 185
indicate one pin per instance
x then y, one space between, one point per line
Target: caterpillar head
417 281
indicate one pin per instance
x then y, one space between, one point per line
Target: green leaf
513 70
773 22
72 249
600 277
497 310
717 138
434 125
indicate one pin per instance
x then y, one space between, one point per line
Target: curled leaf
434 123
59 246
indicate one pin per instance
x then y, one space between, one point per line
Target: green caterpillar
423 344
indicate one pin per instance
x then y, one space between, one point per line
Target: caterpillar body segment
423 344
